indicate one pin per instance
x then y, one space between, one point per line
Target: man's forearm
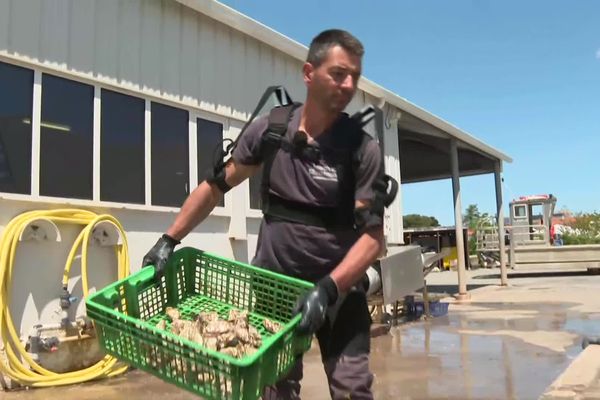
361 255
205 197
195 209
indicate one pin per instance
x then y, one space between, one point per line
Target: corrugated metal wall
155 49
159 47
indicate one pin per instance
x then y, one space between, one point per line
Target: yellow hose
19 366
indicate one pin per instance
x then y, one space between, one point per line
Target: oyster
173 313
271 326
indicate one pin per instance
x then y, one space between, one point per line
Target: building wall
159 53
158 47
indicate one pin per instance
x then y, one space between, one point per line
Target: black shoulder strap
349 157
360 119
387 187
353 137
279 118
282 98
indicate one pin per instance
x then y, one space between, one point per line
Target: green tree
419 221
474 219
471 216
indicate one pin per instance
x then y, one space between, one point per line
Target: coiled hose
19 365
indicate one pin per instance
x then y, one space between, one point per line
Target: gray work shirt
305 251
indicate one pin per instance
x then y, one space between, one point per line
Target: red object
534 197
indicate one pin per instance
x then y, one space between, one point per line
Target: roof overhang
424 138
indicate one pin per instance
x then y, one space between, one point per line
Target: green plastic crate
126 313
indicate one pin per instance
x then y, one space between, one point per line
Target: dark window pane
255 180
66 138
16 96
122 148
170 157
209 137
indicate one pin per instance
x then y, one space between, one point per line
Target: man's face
333 83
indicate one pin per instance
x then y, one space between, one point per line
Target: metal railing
519 235
488 244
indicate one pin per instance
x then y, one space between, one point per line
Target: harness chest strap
338 217
273 140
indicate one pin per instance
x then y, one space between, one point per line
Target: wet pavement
506 343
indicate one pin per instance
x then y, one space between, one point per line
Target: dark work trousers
344 341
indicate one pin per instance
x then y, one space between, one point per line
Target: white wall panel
394 229
207 64
279 74
223 90
5 18
107 36
54 32
159 49
190 74
170 50
237 70
82 36
24 33
253 86
265 73
130 31
36 300
150 47
293 75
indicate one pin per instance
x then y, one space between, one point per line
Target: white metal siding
39 267
156 49
159 47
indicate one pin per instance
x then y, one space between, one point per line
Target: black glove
159 255
313 305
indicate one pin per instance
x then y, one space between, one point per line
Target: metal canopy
425 153
474 155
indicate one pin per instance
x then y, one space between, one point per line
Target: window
122 148
209 136
66 142
16 99
520 211
537 214
170 157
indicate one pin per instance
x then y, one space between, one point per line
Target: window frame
109 84
98 141
86 136
194 115
29 190
188 187
515 216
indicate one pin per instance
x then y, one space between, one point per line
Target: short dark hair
320 45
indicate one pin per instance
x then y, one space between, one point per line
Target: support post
512 249
458 221
500 219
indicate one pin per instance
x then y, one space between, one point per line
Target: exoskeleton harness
346 157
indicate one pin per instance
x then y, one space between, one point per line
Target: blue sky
522 76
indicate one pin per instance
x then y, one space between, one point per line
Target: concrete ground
580 380
505 343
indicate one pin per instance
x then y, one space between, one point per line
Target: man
335 256
556 233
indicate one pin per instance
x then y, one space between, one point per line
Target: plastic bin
126 313
436 309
